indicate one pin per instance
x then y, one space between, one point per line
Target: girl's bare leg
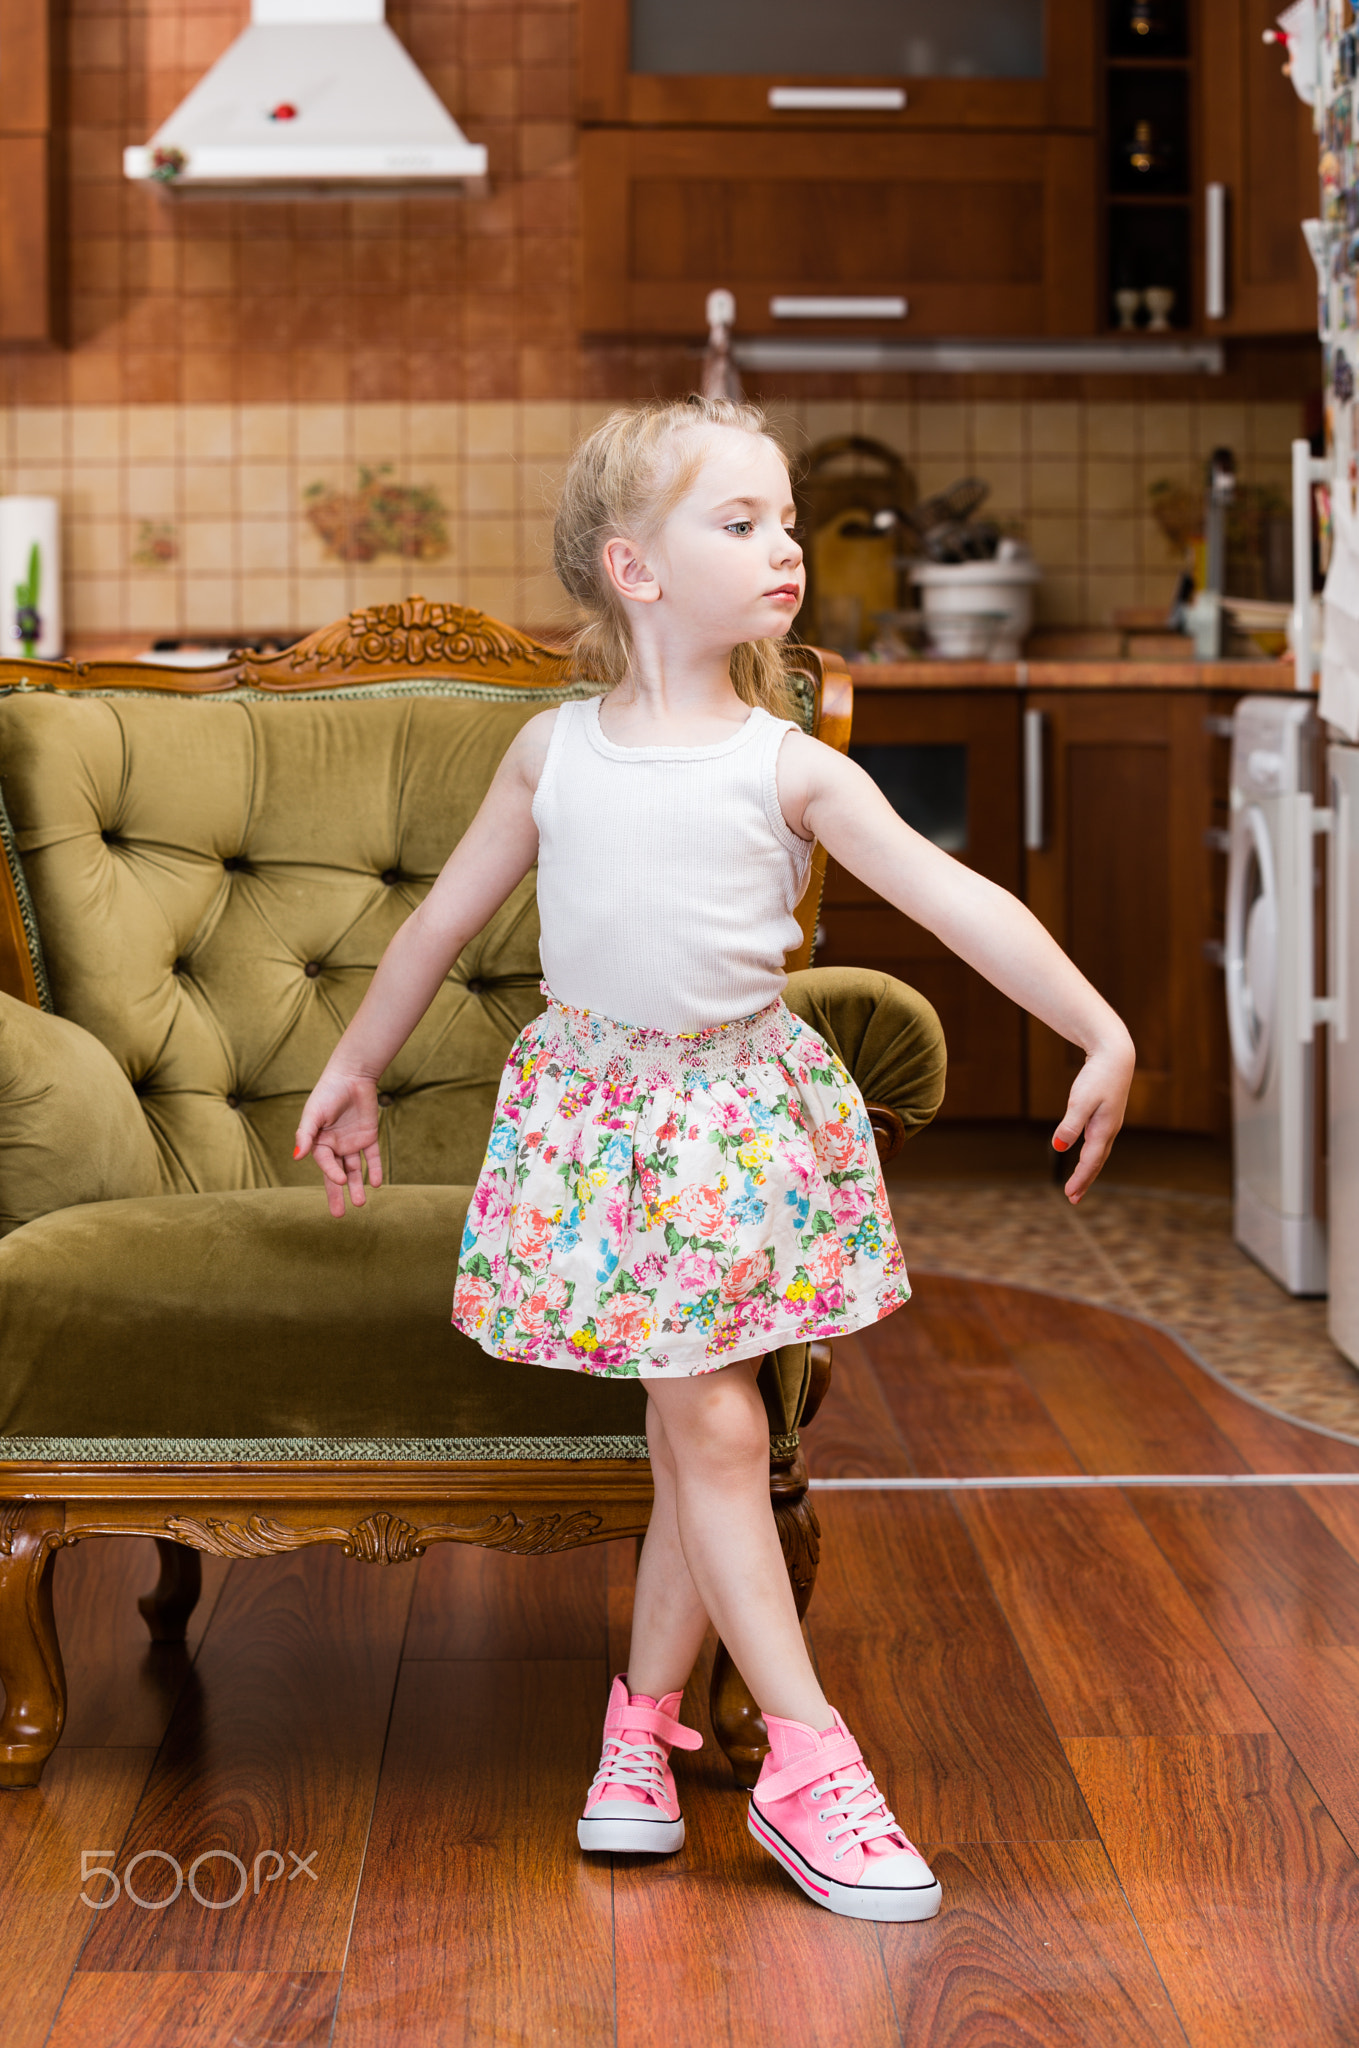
717 1551
669 1620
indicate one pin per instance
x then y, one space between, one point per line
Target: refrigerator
1343 766
1324 59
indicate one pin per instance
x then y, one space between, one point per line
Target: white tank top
667 876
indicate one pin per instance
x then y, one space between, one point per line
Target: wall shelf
1147 156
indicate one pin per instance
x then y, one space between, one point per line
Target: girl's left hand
1098 1098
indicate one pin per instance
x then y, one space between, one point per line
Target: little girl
681 1174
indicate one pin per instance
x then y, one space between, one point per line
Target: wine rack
1148 64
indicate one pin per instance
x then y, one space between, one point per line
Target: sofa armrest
893 1044
888 1036
71 1127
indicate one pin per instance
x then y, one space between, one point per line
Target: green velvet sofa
200 870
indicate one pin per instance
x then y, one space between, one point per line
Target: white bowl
964 636
1002 586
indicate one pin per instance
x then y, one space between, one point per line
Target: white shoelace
859 1807
640 1765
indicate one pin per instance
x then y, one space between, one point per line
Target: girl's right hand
339 1128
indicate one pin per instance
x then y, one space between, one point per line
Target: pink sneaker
816 1808
632 1803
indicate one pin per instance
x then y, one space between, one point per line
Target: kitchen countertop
1105 673
1263 675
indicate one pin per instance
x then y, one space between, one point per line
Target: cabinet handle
1034 822
1215 252
832 99
838 309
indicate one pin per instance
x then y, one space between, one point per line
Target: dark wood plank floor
1119 1719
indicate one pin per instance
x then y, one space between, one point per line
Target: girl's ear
628 572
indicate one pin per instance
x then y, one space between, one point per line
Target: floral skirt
655 1205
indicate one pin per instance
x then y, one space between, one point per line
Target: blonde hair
625 478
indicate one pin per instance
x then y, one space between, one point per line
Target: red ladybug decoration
284 111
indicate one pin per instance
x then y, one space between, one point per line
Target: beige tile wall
228 482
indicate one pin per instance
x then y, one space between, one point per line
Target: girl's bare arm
831 799
339 1122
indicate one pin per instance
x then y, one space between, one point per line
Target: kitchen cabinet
966 64
977 234
938 160
989 168
1129 878
1257 143
949 762
1210 166
25 171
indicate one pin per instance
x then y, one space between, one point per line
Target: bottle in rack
1142 29
1144 153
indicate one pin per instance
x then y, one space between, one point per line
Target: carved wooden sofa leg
167 1607
30 1656
737 1722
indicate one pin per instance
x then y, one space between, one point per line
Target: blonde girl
680 1174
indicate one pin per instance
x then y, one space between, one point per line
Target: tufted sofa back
214 879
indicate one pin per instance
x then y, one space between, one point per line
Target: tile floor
1153 1237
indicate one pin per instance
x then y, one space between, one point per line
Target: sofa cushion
255 1313
215 879
71 1129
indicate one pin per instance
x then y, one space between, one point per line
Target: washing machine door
1252 946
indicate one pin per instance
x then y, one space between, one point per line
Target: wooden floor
1120 1719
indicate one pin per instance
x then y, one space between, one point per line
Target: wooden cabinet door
25 171
1257 140
950 760
612 91
1127 883
980 234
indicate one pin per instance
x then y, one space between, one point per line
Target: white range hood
315 96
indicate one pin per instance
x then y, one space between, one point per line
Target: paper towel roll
30 577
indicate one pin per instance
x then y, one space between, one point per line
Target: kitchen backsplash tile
1110 429
1054 484
1168 429
1219 426
1111 486
1001 428
1054 428
198 519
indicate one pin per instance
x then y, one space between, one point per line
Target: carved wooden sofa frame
381 1512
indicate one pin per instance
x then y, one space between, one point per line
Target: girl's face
725 554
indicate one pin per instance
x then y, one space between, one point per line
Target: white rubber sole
853 1901
632 1837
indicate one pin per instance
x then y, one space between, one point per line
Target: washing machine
1271 1001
